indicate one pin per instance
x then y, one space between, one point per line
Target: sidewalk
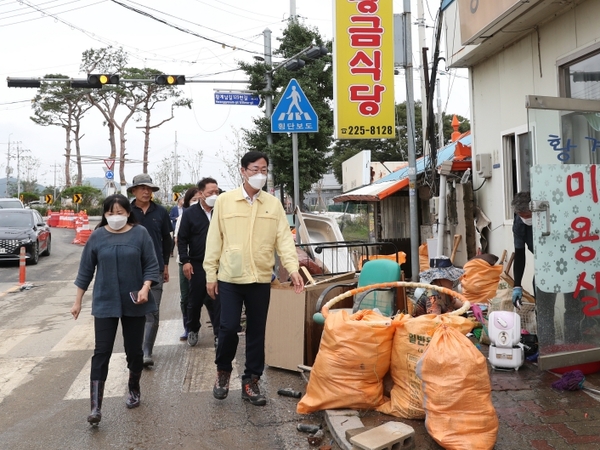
532 415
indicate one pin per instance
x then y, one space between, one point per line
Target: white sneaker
192 338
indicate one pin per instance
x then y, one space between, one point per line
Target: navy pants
105 331
255 297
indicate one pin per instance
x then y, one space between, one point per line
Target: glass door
565 202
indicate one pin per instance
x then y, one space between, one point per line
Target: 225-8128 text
361 130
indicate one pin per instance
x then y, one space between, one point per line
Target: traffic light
95 81
316 52
169 80
295 64
24 82
98 80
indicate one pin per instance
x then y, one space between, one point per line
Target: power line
214 41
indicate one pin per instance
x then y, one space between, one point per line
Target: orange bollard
22 266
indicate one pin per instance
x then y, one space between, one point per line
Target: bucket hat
441 268
142 179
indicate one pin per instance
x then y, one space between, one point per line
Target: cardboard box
292 337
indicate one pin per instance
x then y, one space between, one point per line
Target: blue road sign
109 174
294 113
234 98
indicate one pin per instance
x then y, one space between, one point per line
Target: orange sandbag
353 358
457 393
480 280
410 341
423 258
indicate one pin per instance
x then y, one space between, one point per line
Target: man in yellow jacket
248 226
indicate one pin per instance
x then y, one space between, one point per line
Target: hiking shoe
251 391
192 338
221 387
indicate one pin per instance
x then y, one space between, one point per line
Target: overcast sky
40 37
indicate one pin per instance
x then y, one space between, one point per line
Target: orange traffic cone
78 226
85 230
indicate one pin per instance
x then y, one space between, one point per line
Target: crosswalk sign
294 113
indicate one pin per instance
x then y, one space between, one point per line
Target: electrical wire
214 41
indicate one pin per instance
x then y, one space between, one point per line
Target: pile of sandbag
438 374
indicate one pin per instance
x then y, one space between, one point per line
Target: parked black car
23 227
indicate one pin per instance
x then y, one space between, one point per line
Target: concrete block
389 436
340 420
353 432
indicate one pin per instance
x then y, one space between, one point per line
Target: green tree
317 84
90 195
57 104
137 99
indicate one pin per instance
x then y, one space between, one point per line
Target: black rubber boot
133 399
96 394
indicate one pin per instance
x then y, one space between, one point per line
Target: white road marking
14 371
80 337
116 383
12 337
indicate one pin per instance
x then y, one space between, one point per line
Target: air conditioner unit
483 165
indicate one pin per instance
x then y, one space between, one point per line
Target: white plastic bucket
432 248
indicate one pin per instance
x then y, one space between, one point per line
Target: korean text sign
364 69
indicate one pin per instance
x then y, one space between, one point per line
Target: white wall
499 85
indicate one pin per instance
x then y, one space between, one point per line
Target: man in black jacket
156 220
191 244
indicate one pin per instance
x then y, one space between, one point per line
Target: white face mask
116 222
527 221
210 201
257 181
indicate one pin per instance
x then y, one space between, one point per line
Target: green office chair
373 272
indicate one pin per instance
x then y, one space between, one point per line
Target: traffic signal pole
269 106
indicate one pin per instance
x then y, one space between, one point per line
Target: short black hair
253 156
204 181
110 202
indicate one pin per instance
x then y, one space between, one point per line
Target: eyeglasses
255 170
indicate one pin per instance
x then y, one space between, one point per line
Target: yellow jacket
242 239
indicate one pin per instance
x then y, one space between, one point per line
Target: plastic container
432 245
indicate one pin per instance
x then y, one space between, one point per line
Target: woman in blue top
122 255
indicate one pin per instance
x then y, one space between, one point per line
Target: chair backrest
379 271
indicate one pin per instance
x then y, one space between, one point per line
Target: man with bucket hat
441 273
156 220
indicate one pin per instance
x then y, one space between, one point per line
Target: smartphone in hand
134 296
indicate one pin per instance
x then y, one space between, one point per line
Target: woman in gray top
122 255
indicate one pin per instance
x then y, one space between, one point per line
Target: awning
459 152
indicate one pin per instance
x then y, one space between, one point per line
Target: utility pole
412 159
19 170
293 15
422 48
269 104
440 116
54 197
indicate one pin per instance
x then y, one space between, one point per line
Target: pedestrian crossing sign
294 113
